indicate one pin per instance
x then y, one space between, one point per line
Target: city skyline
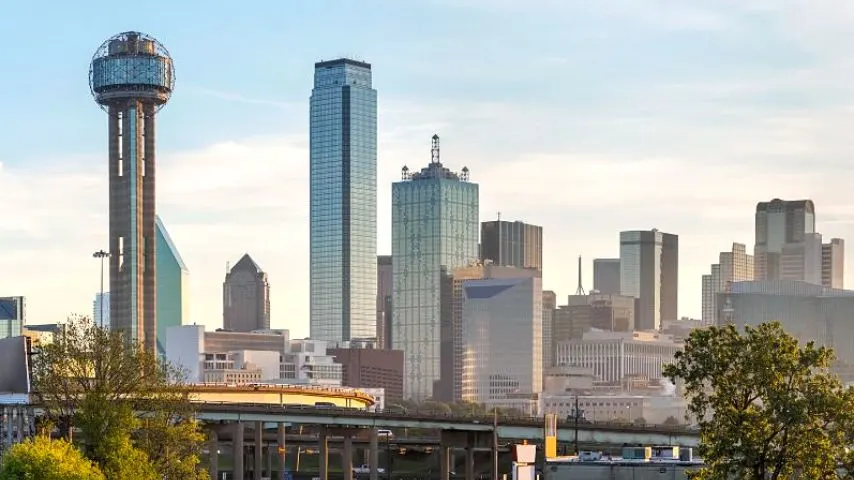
748 118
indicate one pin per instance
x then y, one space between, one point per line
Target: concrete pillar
324 454
444 462
259 449
21 418
213 457
7 424
237 443
374 455
280 434
347 457
469 463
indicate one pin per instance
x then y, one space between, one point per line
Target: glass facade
343 203
12 316
110 72
434 230
172 286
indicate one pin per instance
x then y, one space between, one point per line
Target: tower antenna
434 150
580 289
500 245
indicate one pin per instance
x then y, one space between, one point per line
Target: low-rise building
371 368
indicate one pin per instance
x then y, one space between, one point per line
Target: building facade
343 202
13 316
833 264
502 338
434 230
649 272
613 313
173 286
246 297
606 275
371 368
384 291
549 307
101 310
733 266
782 223
514 244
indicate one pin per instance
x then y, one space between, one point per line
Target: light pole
101 254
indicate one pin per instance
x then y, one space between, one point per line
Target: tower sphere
131 66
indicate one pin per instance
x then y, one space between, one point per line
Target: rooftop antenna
434 150
499 238
580 289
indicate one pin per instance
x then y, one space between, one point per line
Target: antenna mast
434 151
500 245
580 289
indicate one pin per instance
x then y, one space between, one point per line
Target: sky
587 118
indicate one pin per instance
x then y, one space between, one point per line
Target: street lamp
101 254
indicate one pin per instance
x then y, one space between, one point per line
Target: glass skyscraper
12 316
434 230
343 203
172 285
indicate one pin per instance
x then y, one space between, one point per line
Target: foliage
671 421
766 407
121 398
45 459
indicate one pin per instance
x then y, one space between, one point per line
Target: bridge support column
237 444
469 463
22 415
258 467
347 457
323 461
280 435
444 462
374 455
213 456
8 425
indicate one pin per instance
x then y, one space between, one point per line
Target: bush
45 459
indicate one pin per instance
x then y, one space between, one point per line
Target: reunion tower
132 77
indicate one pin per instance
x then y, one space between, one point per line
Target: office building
384 283
786 229
606 275
131 77
649 272
733 266
101 310
371 368
434 230
549 306
173 286
514 244
833 264
502 338
613 313
343 202
246 297
13 316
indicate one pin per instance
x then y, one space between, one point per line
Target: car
385 433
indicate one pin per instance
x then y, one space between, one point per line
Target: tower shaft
133 293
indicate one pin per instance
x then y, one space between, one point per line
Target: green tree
671 421
767 407
45 459
120 397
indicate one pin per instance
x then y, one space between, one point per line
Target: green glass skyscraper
172 285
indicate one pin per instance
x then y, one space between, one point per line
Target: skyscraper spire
580 289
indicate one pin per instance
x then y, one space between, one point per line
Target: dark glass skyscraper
343 204
514 244
246 297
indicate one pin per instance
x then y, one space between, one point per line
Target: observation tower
132 77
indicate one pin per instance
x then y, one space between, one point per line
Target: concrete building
549 307
173 285
787 245
514 244
606 275
343 201
384 292
502 338
371 368
434 230
625 408
595 311
833 264
246 297
13 316
132 77
733 266
649 272
614 356
101 310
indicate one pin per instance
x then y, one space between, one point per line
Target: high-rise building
132 76
384 279
649 272
434 230
246 297
343 202
833 263
549 306
786 228
101 310
173 287
733 266
606 275
371 368
13 316
514 244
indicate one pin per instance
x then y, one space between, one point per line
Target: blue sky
584 117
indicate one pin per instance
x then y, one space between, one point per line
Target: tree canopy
45 459
766 406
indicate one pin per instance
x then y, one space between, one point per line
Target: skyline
723 94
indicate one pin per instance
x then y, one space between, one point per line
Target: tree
45 459
766 407
640 421
121 397
671 421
